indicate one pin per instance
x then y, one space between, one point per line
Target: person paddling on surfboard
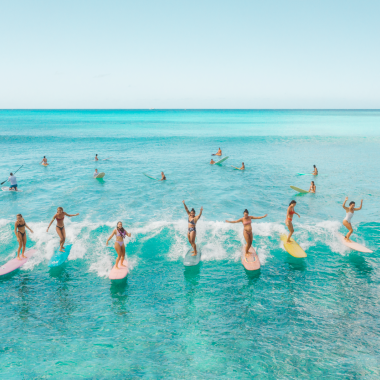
313 188
44 161
96 157
349 214
242 166
212 162
60 228
315 172
21 235
191 229
13 181
120 234
218 153
247 232
289 219
163 178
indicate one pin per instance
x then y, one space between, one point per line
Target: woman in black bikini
60 215
21 235
191 230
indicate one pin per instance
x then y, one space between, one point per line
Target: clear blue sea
310 318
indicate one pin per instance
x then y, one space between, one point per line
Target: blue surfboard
60 257
190 260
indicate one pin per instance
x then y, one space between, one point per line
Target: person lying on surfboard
120 234
191 229
349 214
44 161
289 219
60 228
315 172
247 232
21 235
212 162
313 188
163 178
96 173
218 153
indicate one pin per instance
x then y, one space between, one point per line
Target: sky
190 54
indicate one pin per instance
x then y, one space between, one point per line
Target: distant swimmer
163 178
313 188
21 235
247 232
212 162
96 173
289 219
96 157
60 228
315 172
13 181
191 229
44 161
242 166
349 214
219 153
120 234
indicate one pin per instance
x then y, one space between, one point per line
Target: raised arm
51 222
28 228
259 217
70 215
236 221
187 210
113 233
128 234
344 204
359 208
200 214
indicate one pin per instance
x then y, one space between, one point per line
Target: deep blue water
294 319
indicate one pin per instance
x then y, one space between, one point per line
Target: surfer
96 157
96 173
315 172
44 161
212 162
163 178
242 166
289 219
21 235
121 234
349 214
218 153
191 229
313 188
248 235
13 181
60 228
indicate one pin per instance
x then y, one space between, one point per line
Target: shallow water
295 318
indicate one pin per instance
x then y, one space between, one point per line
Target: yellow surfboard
292 248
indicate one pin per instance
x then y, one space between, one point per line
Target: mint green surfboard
220 161
299 190
151 177
304 174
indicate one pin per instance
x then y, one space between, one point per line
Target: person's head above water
312 182
293 202
314 167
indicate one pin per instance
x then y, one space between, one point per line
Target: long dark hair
292 202
246 211
351 203
192 210
121 230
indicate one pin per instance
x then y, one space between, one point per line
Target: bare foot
61 250
19 258
194 254
288 241
124 266
23 257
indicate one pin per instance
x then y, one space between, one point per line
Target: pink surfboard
355 246
251 261
14 264
118 274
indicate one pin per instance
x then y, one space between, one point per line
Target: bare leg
62 235
23 246
191 237
122 258
248 238
291 230
19 246
350 230
118 251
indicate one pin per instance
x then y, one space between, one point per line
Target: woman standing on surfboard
349 214
313 188
289 219
248 235
191 229
120 234
21 235
60 228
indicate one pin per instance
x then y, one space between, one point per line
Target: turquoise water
294 319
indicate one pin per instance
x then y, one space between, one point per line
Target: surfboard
100 175
119 274
14 264
151 177
60 257
220 161
293 248
190 260
44 164
355 246
7 189
299 190
251 261
236 168
304 174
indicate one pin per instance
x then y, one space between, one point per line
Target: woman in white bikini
247 232
120 234
349 214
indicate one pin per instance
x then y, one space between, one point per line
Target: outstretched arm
187 210
70 215
259 217
51 223
359 208
344 203
28 228
113 233
236 221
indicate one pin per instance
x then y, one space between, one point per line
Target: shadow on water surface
296 264
192 274
359 263
252 276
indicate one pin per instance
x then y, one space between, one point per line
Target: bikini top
21 225
191 222
123 235
246 223
61 218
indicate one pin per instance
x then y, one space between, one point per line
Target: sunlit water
294 319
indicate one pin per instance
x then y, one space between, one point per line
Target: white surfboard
7 189
353 245
100 175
